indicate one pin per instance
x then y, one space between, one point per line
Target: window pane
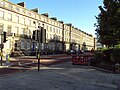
1 14
17 18
23 11
2 3
17 9
16 31
9 30
23 21
10 6
29 22
9 16
1 28
23 29
51 29
29 14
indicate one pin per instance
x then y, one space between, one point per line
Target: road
62 76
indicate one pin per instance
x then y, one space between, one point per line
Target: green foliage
108 56
117 46
1 54
97 57
103 49
115 55
108 23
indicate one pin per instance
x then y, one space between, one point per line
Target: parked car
80 52
69 52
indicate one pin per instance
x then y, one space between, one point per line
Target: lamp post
41 35
38 48
1 48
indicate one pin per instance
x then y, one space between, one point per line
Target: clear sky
81 13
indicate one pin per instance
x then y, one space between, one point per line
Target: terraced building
19 23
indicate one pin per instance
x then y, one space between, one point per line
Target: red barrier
81 59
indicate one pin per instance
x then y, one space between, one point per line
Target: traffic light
43 35
4 37
40 35
33 36
37 34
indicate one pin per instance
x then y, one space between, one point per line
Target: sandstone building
19 23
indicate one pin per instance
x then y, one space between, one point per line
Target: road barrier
83 59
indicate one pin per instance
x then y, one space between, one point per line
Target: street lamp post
39 48
1 48
41 35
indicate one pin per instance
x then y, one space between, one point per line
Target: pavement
62 76
23 63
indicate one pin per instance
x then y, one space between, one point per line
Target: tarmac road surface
63 76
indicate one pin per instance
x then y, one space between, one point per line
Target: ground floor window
22 45
28 45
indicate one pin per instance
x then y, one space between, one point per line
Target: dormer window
2 3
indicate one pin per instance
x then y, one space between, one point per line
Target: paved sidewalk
42 56
18 64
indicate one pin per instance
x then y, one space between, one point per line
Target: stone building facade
19 23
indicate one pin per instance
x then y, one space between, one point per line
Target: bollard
38 55
38 62
7 59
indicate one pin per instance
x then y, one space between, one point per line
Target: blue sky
81 13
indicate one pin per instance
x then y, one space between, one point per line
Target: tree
108 23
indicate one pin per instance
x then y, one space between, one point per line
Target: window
1 14
23 11
67 33
2 3
45 20
33 15
10 6
29 14
24 31
9 28
49 21
47 36
23 20
29 33
29 22
39 17
46 27
17 9
54 30
34 23
22 45
28 45
59 31
51 29
1 28
17 18
9 17
16 31
42 18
